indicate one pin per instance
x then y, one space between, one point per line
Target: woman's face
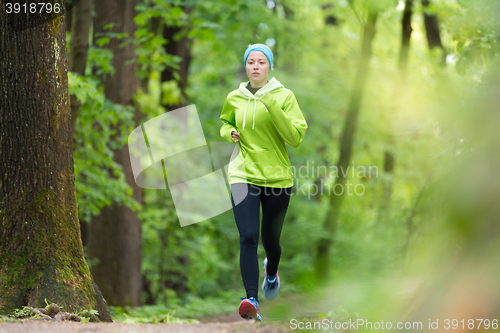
257 67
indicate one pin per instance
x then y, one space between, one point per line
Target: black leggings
246 213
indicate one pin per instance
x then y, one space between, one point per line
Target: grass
176 311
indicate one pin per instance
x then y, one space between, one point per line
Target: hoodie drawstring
255 107
245 113
270 86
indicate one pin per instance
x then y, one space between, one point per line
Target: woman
260 172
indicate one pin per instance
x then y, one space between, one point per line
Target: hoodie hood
270 86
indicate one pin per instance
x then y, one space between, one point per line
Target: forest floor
246 326
276 314
222 323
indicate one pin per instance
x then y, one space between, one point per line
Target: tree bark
41 254
78 48
322 262
180 47
115 235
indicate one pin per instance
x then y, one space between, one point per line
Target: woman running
260 116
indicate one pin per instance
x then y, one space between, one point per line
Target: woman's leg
246 214
274 206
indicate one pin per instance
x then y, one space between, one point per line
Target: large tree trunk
78 48
41 254
115 235
322 262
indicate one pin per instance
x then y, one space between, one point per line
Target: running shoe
249 308
270 289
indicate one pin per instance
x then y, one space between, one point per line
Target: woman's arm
289 121
228 122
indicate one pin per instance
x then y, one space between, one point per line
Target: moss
71 279
55 268
54 25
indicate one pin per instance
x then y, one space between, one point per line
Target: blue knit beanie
262 48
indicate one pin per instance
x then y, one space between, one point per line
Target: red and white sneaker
249 308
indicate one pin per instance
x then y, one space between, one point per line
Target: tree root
51 312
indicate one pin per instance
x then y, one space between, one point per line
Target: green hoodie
264 125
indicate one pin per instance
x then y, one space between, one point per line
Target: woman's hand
235 136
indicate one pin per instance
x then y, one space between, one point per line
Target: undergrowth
177 311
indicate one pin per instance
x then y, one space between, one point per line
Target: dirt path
246 326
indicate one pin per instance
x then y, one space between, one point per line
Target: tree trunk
115 235
409 221
432 29
78 48
81 17
389 162
330 18
389 158
154 25
69 19
41 254
322 262
180 47
405 35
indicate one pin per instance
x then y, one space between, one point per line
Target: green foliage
318 63
88 315
100 59
22 313
102 127
147 315
472 31
149 45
